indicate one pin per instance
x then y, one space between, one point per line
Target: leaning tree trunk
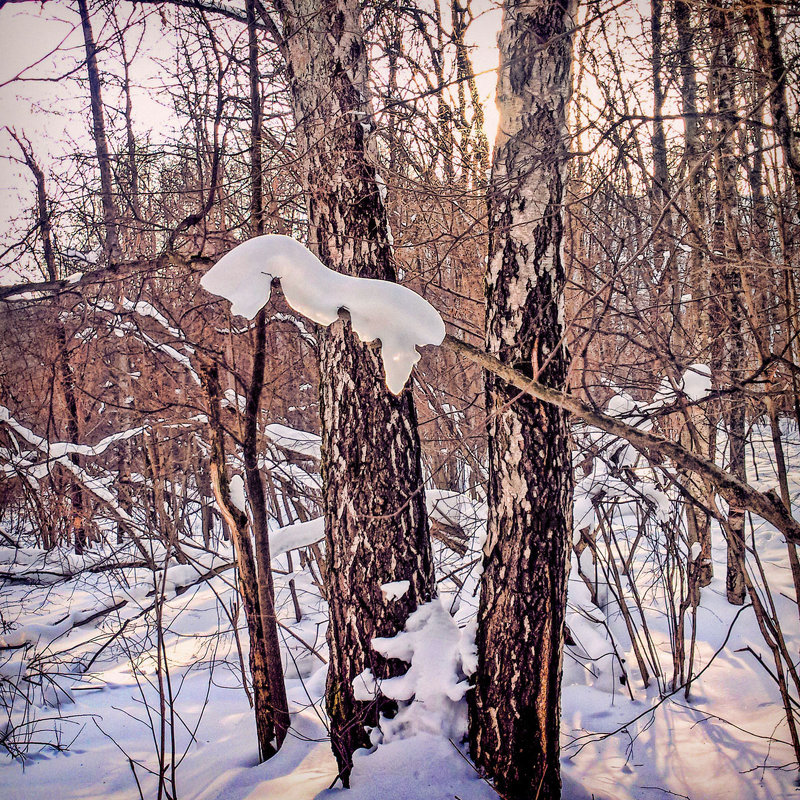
376 529
269 697
515 706
111 237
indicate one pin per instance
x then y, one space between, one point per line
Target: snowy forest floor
83 690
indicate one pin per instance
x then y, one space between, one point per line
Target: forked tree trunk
255 487
376 529
270 722
515 707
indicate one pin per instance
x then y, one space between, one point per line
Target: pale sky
41 44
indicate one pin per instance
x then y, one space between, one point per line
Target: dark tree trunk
668 310
255 487
270 724
207 509
279 709
66 373
764 30
111 238
376 529
726 224
515 707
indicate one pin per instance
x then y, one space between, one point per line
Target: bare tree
515 705
110 235
376 529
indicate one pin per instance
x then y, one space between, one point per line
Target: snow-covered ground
84 697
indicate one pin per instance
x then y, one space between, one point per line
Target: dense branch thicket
678 191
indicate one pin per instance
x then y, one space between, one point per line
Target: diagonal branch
737 493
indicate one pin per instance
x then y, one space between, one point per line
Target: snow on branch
58 450
145 309
399 317
293 537
296 441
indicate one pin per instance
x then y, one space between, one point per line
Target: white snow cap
292 537
394 590
237 493
400 318
696 383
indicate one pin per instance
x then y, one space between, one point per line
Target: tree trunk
111 238
698 522
66 373
205 490
268 724
760 17
515 707
376 529
255 487
258 509
668 308
727 242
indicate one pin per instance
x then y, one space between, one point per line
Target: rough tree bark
515 707
376 529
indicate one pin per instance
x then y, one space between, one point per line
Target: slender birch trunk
698 521
728 245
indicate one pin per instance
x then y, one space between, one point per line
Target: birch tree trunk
698 522
376 529
515 706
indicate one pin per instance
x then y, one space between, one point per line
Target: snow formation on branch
399 317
